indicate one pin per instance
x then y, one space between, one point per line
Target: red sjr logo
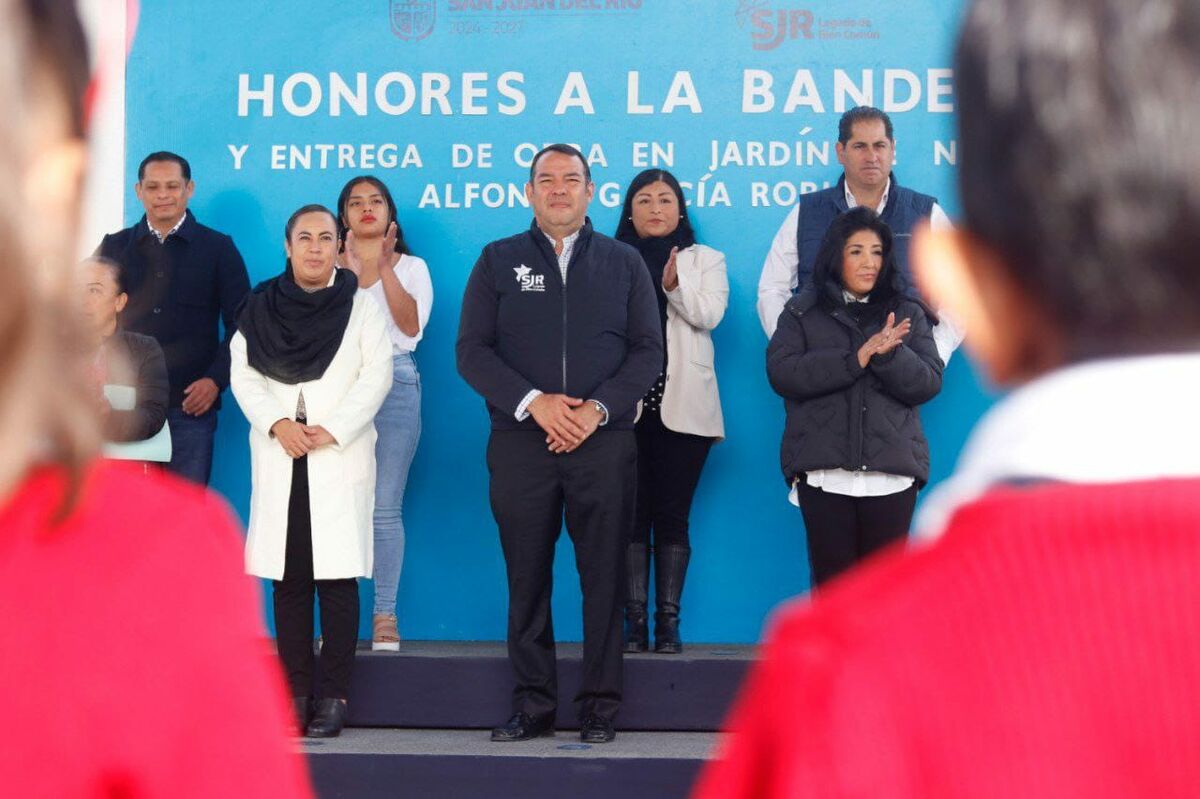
772 27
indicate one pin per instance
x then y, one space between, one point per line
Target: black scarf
291 334
656 251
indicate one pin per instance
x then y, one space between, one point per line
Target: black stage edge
468 685
465 765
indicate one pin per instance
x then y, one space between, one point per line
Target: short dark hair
165 155
827 268
115 269
565 149
625 229
1092 202
344 199
311 208
863 113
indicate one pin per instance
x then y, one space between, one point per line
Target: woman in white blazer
681 415
311 364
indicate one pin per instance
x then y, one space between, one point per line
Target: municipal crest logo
412 20
529 281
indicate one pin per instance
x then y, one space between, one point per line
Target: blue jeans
398 425
192 444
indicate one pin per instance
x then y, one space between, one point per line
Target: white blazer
341 476
691 402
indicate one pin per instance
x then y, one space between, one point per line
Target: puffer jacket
840 415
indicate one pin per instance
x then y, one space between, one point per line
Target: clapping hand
670 280
885 340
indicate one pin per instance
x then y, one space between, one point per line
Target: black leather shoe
523 727
597 730
329 720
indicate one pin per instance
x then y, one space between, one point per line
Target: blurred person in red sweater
134 660
1043 640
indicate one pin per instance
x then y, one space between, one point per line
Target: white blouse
414 277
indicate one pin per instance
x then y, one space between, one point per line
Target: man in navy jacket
560 333
182 278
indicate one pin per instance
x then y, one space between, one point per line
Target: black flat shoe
597 730
329 720
523 727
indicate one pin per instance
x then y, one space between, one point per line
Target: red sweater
132 656
1048 645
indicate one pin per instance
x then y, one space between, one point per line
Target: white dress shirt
779 278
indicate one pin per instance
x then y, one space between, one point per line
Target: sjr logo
772 27
529 281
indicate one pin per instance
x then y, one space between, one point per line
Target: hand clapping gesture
388 257
885 340
670 280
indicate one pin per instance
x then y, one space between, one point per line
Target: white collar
1110 421
567 240
853 203
164 236
849 298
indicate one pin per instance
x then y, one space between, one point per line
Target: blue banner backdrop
277 105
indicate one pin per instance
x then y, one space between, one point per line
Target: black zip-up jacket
840 415
597 337
178 291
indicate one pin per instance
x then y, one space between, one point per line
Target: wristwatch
599 408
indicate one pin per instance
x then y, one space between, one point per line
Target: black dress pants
530 489
843 530
293 597
668 467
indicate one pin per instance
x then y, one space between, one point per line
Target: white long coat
341 476
691 402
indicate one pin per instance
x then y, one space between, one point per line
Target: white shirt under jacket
341 476
691 402
779 277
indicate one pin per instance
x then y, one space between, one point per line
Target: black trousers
843 530
668 468
530 489
293 597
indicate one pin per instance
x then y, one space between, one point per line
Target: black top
136 361
596 337
292 335
178 291
839 414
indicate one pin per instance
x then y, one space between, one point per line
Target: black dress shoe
329 720
522 727
597 730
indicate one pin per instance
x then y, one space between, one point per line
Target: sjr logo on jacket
528 281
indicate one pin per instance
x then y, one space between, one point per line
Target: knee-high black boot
670 567
637 577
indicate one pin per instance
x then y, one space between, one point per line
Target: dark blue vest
903 210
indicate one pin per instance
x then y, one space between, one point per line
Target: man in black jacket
182 278
560 334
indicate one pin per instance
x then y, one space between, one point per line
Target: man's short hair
565 149
164 155
1079 165
863 113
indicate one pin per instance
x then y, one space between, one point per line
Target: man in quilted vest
1044 640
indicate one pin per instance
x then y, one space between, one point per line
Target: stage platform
420 719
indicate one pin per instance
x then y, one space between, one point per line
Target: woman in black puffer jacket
853 357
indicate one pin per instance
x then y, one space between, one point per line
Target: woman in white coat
311 364
681 415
